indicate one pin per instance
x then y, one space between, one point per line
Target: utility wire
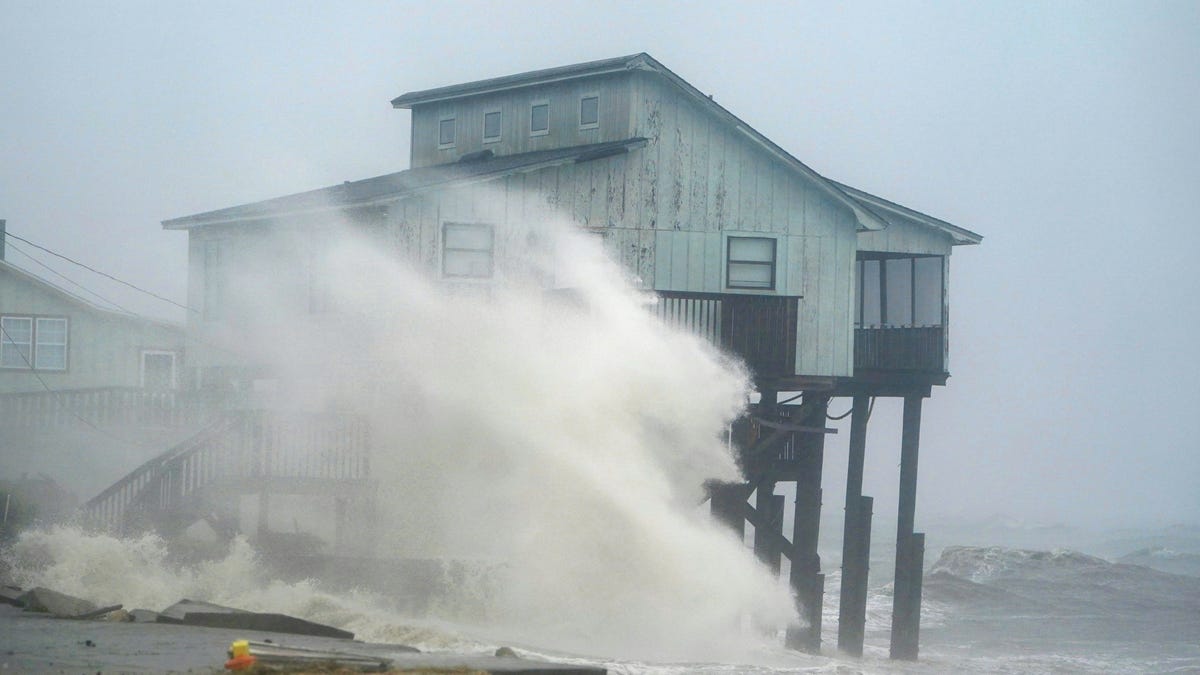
69 280
45 386
103 274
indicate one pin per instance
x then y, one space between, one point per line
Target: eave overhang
958 235
402 185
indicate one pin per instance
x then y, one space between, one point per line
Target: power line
33 371
69 280
103 274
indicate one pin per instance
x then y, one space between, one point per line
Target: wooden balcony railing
920 349
103 406
760 329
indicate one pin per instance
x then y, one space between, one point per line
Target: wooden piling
906 603
856 538
778 504
764 548
726 505
852 610
806 578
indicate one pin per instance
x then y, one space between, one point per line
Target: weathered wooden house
821 288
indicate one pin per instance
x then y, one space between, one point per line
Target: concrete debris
143 616
176 612
264 621
10 595
118 616
194 613
60 605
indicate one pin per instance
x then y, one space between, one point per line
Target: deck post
726 505
906 603
806 578
764 491
856 538
764 503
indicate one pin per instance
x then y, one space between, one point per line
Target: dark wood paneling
759 329
900 349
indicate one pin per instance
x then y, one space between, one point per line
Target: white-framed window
158 369
467 250
446 131
214 279
50 344
589 111
492 120
750 263
539 118
33 343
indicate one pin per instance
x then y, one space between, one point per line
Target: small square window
446 133
539 119
467 250
491 126
751 263
589 112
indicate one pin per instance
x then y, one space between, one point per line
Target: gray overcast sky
1066 133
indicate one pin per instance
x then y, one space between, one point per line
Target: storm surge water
546 425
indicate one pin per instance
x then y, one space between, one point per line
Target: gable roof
61 293
388 187
891 210
867 218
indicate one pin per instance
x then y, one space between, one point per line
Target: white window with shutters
467 250
750 263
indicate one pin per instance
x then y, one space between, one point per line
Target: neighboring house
821 288
54 340
85 392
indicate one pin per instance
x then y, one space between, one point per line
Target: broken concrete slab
176 612
196 613
264 621
61 605
10 594
143 616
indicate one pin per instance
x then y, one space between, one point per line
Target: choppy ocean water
986 609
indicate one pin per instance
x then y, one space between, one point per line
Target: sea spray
567 435
140 572
546 424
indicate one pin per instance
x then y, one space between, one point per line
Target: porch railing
105 406
760 329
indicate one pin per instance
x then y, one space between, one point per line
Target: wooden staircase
250 452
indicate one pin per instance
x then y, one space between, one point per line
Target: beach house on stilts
823 290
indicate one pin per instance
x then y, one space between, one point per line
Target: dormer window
539 118
446 132
491 126
589 112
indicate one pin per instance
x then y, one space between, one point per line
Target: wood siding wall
664 211
701 180
514 107
103 349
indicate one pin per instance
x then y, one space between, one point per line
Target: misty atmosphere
483 366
